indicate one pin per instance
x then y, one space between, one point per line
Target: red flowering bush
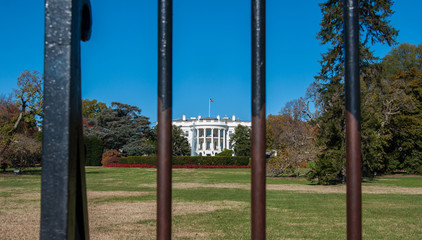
110 157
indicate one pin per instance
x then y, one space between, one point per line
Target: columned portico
212 134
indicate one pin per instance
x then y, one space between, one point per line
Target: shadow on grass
36 171
93 172
28 171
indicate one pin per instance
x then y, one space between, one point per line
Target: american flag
211 100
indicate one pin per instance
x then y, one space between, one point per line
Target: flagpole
209 107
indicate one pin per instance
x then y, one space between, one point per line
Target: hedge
174 166
188 160
94 150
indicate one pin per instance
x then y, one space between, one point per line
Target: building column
224 139
219 140
212 140
197 141
204 144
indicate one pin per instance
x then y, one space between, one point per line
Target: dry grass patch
20 216
108 220
388 190
299 187
110 194
137 219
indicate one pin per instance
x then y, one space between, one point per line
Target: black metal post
63 197
258 170
165 42
353 141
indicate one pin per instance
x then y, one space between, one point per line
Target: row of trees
118 127
390 96
391 108
121 127
391 120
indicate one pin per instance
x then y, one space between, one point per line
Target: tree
403 58
291 137
241 141
402 70
30 94
375 28
22 116
8 109
120 125
92 108
23 152
180 144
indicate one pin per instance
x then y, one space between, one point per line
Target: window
208 132
187 133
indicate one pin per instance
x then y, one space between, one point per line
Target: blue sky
211 51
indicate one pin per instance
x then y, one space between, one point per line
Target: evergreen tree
241 141
120 126
375 28
180 144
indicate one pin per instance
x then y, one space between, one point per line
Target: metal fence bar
164 165
63 196
258 170
353 141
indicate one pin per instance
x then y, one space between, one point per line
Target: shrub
134 149
225 153
94 150
175 166
279 165
111 160
310 164
23 152
326 171
110 156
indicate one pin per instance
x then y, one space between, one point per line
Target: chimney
199 117
234 118
184 117
218 117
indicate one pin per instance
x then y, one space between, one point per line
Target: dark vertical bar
64 212
353 144
258 121
165 41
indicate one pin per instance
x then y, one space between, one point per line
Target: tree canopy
92 108
20 140
374 28
120 126
241 141
180 144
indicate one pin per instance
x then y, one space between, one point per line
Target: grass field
215 204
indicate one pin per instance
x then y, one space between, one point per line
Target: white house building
209 136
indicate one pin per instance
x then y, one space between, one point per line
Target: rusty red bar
353 141
258 170
165 41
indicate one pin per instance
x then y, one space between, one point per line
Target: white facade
209 136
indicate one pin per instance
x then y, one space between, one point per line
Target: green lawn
215 204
